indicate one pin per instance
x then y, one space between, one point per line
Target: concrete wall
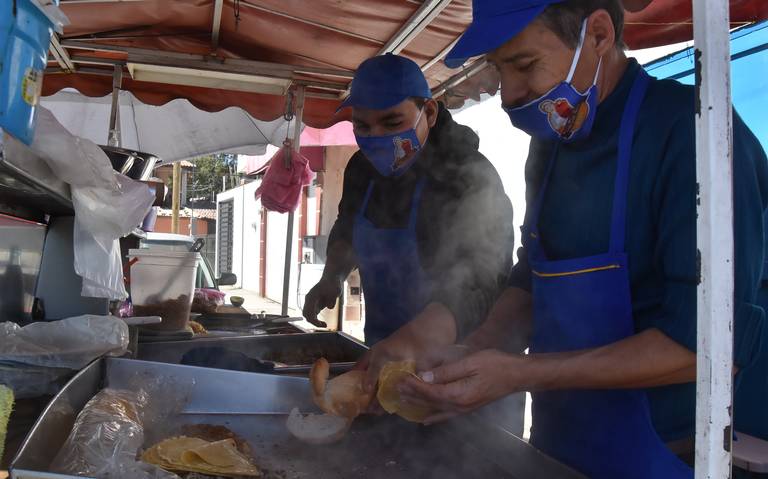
336 159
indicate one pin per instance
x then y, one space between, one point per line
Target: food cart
256 55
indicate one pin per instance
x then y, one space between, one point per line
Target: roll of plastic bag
71 343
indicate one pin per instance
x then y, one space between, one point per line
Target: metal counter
255 406
295 352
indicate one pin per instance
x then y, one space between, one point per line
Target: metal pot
131 163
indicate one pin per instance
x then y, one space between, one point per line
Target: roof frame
218 6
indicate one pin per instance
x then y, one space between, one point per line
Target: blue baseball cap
494 22
384 81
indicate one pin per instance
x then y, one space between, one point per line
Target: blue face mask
563 113
392 155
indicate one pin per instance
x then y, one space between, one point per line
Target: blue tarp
749 75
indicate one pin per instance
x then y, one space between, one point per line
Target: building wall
246 249
163 225
336 159
237 196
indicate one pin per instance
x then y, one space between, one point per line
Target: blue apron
396 287
586 303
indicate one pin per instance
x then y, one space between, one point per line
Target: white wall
245 237
251 219
277 225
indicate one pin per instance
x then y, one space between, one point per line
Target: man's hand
323 295
467 384
425 339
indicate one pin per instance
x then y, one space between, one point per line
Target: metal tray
296 351
255 406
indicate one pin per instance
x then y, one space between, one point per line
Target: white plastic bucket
163 284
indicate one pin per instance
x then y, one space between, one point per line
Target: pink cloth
281 187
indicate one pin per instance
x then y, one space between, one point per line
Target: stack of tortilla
191 454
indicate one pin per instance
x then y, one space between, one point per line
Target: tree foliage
213 174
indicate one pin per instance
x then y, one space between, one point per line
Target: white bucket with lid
163 284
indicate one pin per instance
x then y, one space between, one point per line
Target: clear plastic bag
107 205
106 438
71 343
112 428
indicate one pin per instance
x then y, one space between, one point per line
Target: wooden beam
61 54
176 203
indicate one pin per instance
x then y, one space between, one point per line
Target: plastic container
25 34
163 284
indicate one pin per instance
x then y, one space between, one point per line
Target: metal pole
296 145
176 198
114 138
714 174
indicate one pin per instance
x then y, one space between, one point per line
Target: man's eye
393 125
526 66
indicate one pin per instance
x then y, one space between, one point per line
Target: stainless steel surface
58 285
376 447
52 429
296 351
27 182
21 252
132 163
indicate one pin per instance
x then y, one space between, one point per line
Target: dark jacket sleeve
473 243
675 200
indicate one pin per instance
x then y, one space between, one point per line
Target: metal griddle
255 406
295 352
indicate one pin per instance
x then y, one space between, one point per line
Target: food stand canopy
247 53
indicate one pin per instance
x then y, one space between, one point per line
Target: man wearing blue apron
423 214
607 275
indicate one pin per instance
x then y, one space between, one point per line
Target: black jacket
464 223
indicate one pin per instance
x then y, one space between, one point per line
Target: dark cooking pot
131 163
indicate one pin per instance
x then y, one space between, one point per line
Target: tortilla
391 375
191 454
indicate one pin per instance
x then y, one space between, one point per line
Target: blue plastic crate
25 34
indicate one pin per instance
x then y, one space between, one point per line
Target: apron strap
621 183
364 206
415 204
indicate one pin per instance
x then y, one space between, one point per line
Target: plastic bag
107 205
281 187
98 262
71 343
206 300
112 428
74 160
106 439
112 213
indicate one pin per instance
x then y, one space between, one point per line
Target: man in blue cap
606 279
423 214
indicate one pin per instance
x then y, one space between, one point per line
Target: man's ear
602 30
431 108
